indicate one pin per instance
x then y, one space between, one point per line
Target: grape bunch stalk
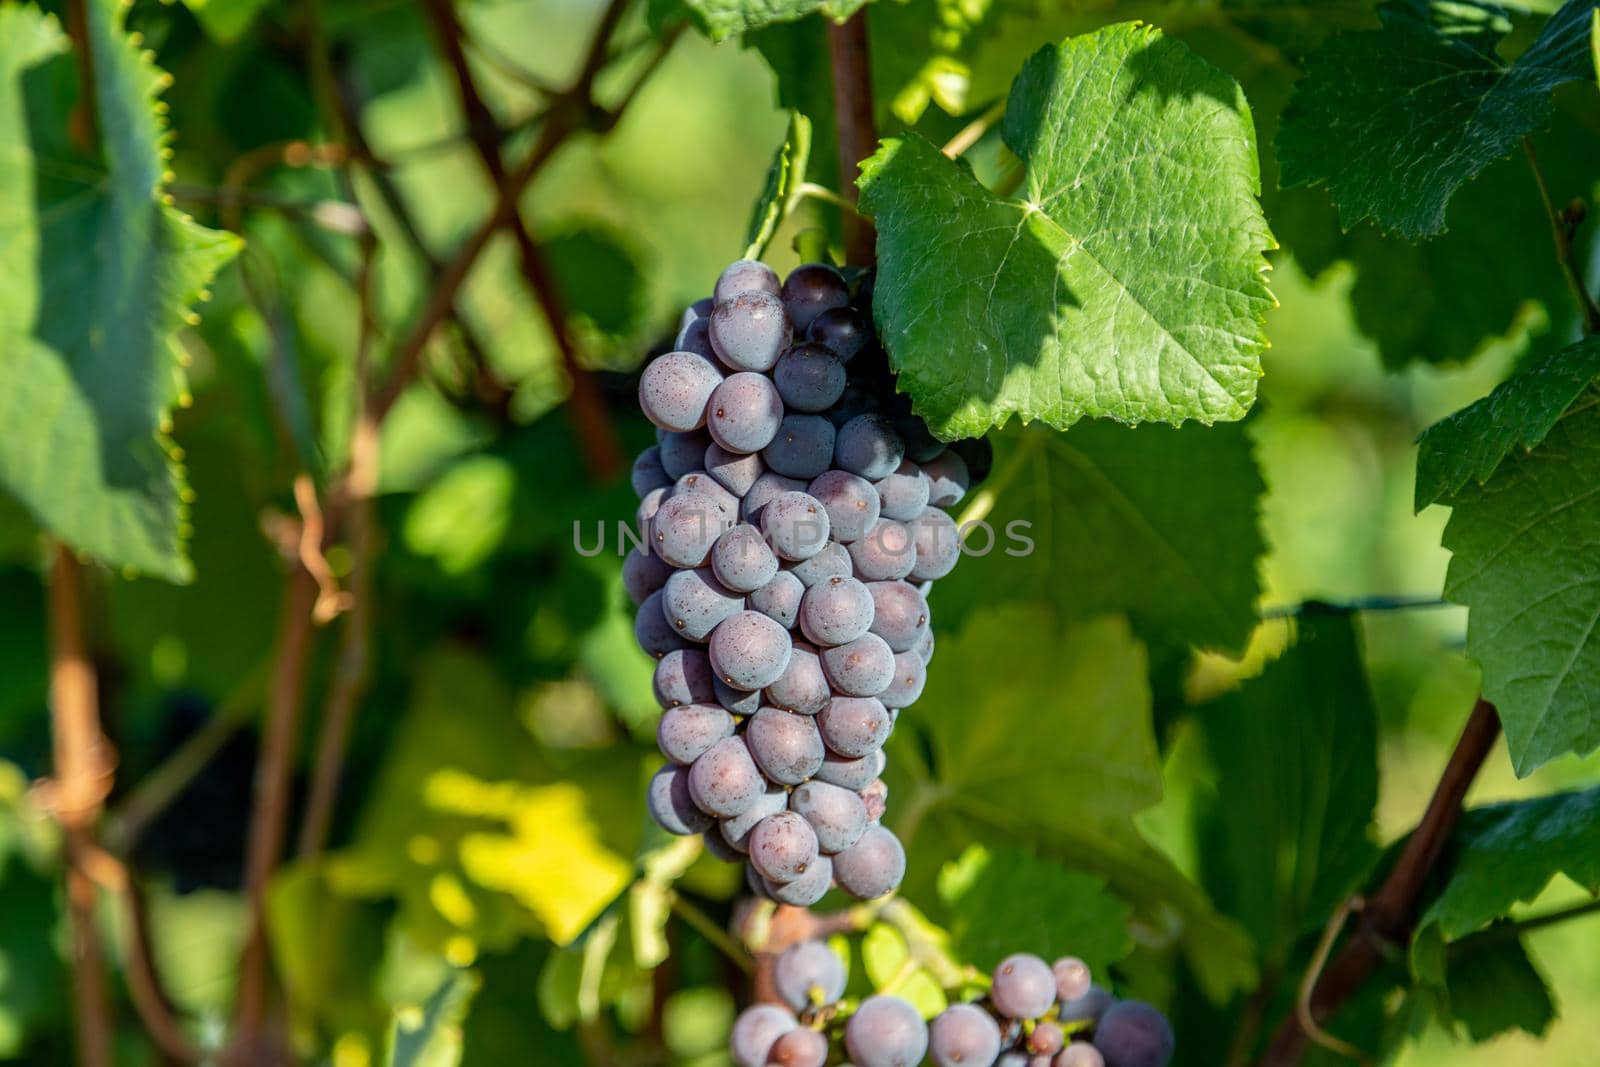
792 512
1036 1015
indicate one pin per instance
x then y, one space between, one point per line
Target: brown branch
851 63
1387 920
82 779
144 984
1563 227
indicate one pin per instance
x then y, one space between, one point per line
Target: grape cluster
1036 1015
792 511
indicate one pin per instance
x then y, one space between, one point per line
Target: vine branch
850 60
1563 227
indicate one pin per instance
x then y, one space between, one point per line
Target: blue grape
735 832
937 543
1022 987
1133 1034
803 447
671 805
733 472
1089 1007
924 647
805 890
700 309
903 494
887 553
779 599
750 331
838 815
686 731
885 1031
844 331
648 473
809 378
835 612
695 602
744 412
799 1048
742 561
740 702
851 503
899 614
873 866
741 276
782 847
683 677
645 513
862 668
674 390
832 562
643 573
858 399
695 337
868 445
910 675
719 848
725 781
875 799
808 975
749 651
809 290
683 453
652 630
787 747
978 454
948 479
686 527
854 727
755 1031
850 772
921 445
795 525
767 485
963 1035
802 687
1014 1059
1046 1039
702 483
1079 1054
1072 978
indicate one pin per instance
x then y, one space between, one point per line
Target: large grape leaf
100 272
1497 988
721 19
1156 523
1126 278
1042 734
1287 833
1469 445
1421 106
1525 543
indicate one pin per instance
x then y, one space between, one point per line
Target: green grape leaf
1523 563
1157 523
1080 696
599 275
1469 445
721 19
779 197
225 21
1421 106
1008 900
1287 834
100 273
429 1035
1125 280
1496 989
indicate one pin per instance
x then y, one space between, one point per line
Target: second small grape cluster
792 514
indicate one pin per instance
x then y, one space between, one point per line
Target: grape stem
973 132
1563 225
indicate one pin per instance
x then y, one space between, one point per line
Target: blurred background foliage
493 889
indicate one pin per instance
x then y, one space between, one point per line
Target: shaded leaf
1496 989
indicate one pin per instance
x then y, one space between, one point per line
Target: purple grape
750 330
702 483
1079 1054
803 448
835 612
787 747
696 311
963 1035
645 513
850 772
875 799
643 573
795 525
740 702
695 337
839 816
1072 978
899 614
851 503
885 1031
674 389
683 677
1133 1034
903 494
685 527
868 445
938 545
853 727
924 647
767 485
921 445
779 599
725 781
742 561
671 805
733 472
755 1031
736 831
948 479
809 378
743 275
648 473
719 848
749 651
1022 987
744 412
832 562
862 668
1046 1039
809 290
859 398
683 453
782 847
871 867
978 454
652 630
799 1048
844 331
805 890
808 975
685 732
802 687
886 553
695 602
1088 1007
910 675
